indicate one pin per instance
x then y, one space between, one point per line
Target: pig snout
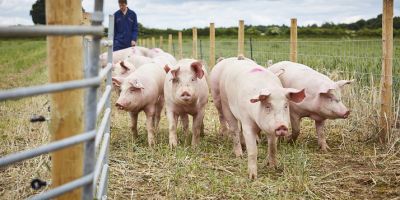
186 96
120 106
281 131
346 114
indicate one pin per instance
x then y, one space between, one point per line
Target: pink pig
124 53
142 90
128 65
247 93
323 100
186 93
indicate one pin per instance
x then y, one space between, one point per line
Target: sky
179 14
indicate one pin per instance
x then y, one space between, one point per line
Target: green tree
38 12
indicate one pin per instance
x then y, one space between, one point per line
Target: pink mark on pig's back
255 70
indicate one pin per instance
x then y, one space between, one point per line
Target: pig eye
268 107
133 89
286 106
193 79
175 80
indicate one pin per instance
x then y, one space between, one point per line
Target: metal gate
96 139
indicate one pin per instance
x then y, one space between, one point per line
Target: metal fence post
91 102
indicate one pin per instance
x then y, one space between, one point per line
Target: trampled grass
357 167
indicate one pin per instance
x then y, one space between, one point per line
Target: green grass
356 168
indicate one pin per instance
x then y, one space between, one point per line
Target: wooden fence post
293 40
148 42
153 42
387 63
65 61
170 43
241 38
194 46
180 51
161 42
212 45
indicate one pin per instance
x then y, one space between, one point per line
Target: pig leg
197 122
319 125
218 105
272 149
295 122
159 107
250 138
202 129
185 126
150 114
234 130
134 118
172 121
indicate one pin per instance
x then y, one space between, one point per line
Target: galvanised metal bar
106 95
48 88
101 156
91 102
103 126
105 71
59 144
101 190
45 30
64 188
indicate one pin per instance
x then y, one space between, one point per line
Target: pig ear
124 67
167 68
280 72
136 84
175 72
264 94
295 95
342 83
197 67
117 81
326 92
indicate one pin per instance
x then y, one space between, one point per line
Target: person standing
125 27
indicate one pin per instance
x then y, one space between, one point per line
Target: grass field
357 167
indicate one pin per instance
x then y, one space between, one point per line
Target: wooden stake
194 46
387 63
153 42
212 45
180 54
170 43
161 42
241 38
65 61
293 40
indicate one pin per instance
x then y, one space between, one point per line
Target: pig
323 98
128 65
123 53
186 93
249 94
142 90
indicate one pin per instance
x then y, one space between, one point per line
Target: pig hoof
252 176
238 153
325 148
172 144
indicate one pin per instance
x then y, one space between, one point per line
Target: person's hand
133 43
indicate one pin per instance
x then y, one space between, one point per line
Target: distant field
357 167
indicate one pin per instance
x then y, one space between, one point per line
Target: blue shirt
125 29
